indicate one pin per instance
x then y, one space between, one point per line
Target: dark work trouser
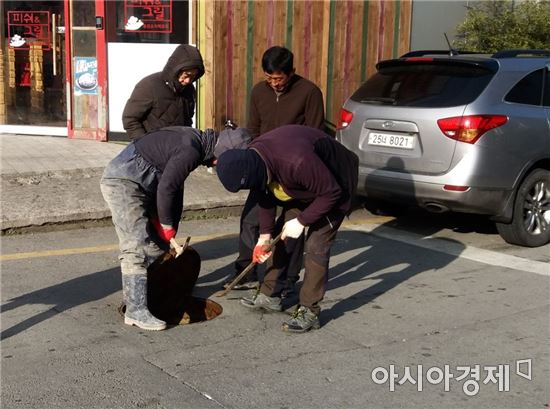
129 188
319 239
248 237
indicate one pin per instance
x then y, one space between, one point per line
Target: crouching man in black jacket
313 178
143 187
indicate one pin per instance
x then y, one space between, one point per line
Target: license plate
393 141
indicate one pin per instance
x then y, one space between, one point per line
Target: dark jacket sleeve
136 110
169 192
314 110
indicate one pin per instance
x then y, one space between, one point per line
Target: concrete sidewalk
50 180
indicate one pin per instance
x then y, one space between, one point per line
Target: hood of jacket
184 57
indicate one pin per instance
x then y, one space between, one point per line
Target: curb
103 218
58 199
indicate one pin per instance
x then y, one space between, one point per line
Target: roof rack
521 53
420 53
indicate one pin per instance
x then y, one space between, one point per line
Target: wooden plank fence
336 44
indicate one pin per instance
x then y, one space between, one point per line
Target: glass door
32 85
84 93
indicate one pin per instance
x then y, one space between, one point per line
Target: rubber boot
135 291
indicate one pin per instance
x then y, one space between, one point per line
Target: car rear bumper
404 189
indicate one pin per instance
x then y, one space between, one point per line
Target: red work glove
260 253
165 232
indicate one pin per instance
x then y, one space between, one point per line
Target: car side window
528 90
546 99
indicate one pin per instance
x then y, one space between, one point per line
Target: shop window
83 13
147 21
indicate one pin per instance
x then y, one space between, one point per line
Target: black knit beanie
241 169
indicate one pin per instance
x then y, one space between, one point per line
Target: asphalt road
421 312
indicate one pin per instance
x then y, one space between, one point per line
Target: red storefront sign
29 27
150 16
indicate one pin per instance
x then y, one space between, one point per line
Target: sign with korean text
29 27
150 16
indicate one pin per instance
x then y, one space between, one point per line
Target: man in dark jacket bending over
143 187
165 98
313 178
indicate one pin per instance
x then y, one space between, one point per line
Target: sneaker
245 284
262 301
302 320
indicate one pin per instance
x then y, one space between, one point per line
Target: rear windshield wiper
379 100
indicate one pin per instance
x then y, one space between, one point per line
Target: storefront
68 66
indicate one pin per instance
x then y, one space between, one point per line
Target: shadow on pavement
400 262
95 286
422 221
214 249
63 296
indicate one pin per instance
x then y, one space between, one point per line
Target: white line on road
454 248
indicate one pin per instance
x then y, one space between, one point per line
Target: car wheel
530 225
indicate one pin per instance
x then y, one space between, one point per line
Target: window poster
85 76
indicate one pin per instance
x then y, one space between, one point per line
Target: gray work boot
262 301
135 292
302 320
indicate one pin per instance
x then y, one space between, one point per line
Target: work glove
164 231
260 253
293 229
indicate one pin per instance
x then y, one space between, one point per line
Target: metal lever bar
247 269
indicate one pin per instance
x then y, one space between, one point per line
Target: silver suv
459 132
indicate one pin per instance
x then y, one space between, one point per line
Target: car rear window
424 85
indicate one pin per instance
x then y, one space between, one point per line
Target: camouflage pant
129 188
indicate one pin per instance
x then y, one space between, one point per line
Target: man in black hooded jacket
165 98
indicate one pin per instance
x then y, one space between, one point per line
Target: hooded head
241 169
232 139
185 57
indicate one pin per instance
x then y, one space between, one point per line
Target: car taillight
344 119
470 128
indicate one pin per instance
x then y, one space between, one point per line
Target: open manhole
170 282
189 311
